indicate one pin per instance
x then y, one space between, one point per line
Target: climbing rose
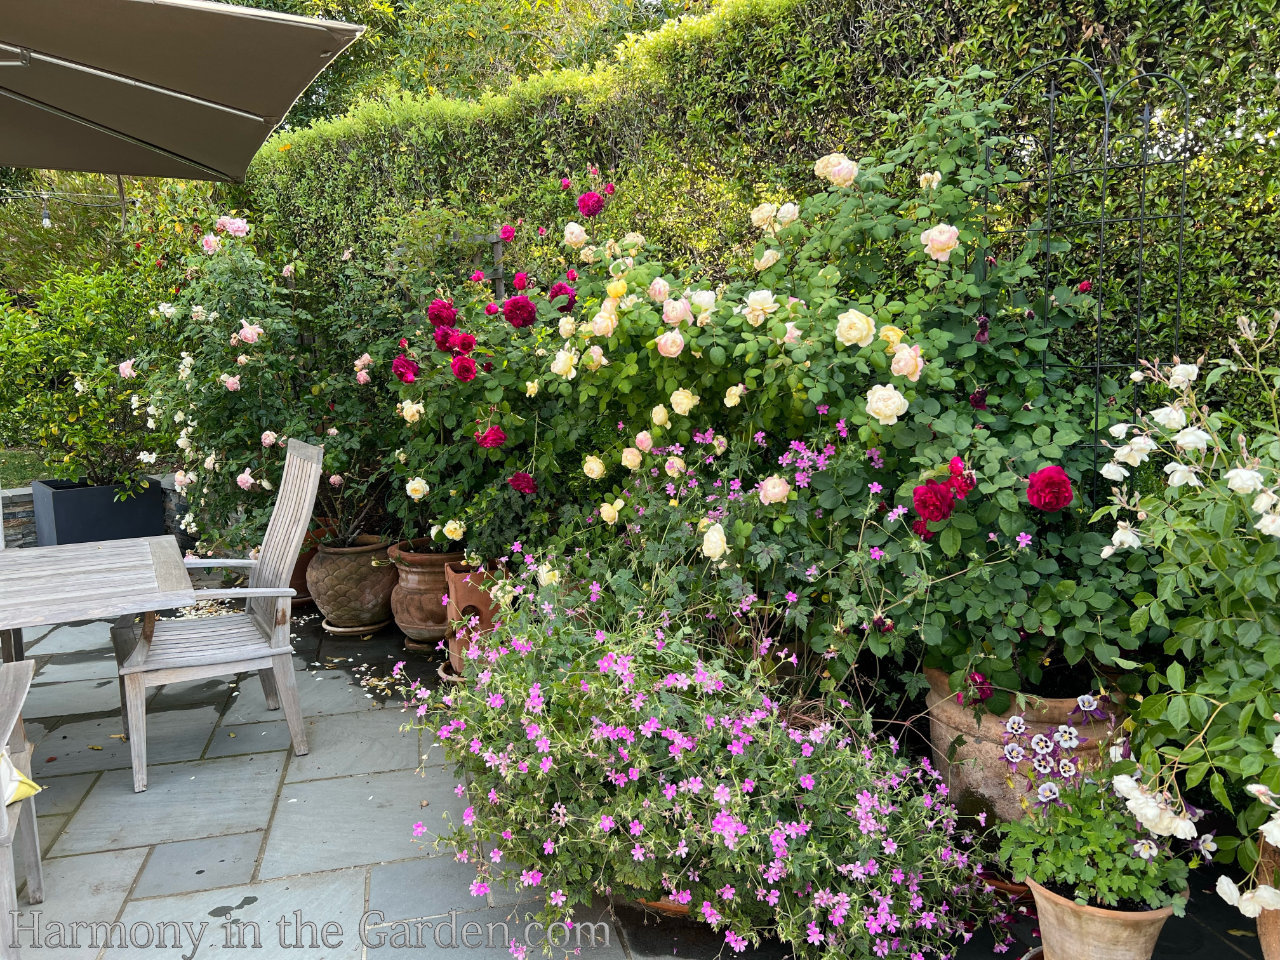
561 289
933 501
1049 489
940 241
508 233
520 281
522 482
493 437
590 204
464 368
442 313
404 368
520 311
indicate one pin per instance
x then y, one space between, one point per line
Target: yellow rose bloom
892 336
617 289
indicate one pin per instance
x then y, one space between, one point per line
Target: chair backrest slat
287 528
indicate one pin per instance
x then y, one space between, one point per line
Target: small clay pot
468 597
665 906
1071 931
416 599
352 585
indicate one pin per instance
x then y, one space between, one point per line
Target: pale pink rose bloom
644 441
236 226
346 254
362 377
268 438
245 480
232 383
659 290
940 240
363 361
907 362
221 223
670 344
774 490
182 480
242 359
287 271
127 371
249 332
676 312
335 480
210 243
235 338
793 333
333 431
604 324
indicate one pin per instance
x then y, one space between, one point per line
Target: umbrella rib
112 132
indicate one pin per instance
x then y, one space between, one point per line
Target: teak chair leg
27 842
288 689
135 695
269 689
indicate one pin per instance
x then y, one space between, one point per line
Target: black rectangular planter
69 512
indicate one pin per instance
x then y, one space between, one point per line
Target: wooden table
88 581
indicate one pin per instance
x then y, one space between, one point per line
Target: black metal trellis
1101 189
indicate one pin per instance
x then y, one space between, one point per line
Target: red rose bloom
443 335
523 483
978 399
571 274
961 480
404 368
442 313
562 289
491 308
1049 489
1085 286
493 437
520 281
508 233
609 188
933 501
590 204
921 529
520 311
460 342
464 368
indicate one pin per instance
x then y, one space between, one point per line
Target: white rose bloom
759 304
1268 896
1171 418
1192 438
714 544
767 259
683 401
631 458
455 529
930 181
1113 471
411 411
1180 475
733 396
593 467
787 214
1183 375
1118 430
531 388
660 416
1228 891
574 235
1271 830
886 404
1125 536
704 301
1243 481
565 364
604 323
567 327
547 574
763 215
1275 746
416 488
1249 905
1269 524
1264 501
1137 376
854 326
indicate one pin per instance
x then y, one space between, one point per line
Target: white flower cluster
1154 811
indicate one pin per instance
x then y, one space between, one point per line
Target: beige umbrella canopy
152 88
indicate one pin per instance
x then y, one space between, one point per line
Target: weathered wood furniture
88 581
18 821
153 653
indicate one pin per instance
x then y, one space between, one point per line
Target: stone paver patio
237 837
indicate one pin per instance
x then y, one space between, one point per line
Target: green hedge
699 119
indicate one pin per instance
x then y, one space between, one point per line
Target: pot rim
404 553
1162 913
1041 709
379 544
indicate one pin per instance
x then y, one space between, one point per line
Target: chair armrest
197 563
242 593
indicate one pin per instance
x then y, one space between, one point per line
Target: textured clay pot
978 774
298 580
665 906
415 602
1268 920
352 585
468 597
1070 931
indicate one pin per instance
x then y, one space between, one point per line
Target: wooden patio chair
17 821
169 651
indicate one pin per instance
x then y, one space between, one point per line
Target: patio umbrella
152 88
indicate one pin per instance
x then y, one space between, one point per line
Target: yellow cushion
14 784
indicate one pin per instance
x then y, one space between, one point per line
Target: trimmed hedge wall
701 118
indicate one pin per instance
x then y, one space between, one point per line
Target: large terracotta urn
969 751
468 598
1268 920
418 599
310 544
352 585
1072 931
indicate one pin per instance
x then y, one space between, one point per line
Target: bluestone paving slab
335 897
49 829
87 665
71 638
423 888
183 801
86 889
236 739
328 824
319 692
186 866
75 698
211 691
62 794
172 735
353 743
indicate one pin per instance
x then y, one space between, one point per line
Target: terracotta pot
1070 931
415 602
669 907
1014 891
298 579
352 585
1268 920
978 775
468 597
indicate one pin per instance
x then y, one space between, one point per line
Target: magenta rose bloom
590 204
1049 489
562 289
443 337
442 313
493 437
933 501
609 188
460 342
521 482
520 281
464 368
520 311
404 368
508 233
921 529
